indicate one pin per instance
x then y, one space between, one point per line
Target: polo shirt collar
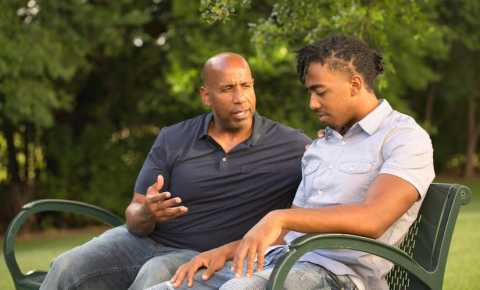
204 129
257 132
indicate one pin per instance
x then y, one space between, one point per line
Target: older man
205 183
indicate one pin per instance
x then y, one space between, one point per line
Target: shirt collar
257 132
371 122
204 129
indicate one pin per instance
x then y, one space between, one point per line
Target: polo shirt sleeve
408 154
155 164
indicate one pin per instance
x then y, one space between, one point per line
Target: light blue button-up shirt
339 169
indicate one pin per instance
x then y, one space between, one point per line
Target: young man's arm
388 198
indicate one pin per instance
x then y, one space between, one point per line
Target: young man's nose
314 102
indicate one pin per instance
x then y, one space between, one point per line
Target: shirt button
224 159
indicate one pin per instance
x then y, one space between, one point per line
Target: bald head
221 62
228 90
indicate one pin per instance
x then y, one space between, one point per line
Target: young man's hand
266 232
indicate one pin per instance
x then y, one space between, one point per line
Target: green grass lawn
462 272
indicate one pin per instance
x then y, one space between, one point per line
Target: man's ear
205 96
356 84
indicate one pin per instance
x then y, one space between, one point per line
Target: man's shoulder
400 123
187 124
401 128
185 130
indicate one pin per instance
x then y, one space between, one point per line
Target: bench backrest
428 240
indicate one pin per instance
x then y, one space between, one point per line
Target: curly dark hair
341 53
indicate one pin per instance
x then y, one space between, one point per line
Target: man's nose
238 95
314 103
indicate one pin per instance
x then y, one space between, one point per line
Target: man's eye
247 86
227 88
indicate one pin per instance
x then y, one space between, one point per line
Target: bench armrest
309 243
44 205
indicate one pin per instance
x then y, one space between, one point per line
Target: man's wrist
279 218
229 249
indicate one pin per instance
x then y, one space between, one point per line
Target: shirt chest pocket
357 166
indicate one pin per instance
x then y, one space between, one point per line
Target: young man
213 176
367 176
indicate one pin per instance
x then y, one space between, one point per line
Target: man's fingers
170 213
321 133
179 276
252 254
174 211
260 259
212 268
238 260
190 275
171 202
191 272
155 197
159 184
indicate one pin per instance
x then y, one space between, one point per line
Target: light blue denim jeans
302 276
115 260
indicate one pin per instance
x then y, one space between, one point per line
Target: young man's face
231 96
330 95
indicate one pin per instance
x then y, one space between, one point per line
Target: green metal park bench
419 261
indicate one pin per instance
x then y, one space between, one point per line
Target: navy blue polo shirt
226 193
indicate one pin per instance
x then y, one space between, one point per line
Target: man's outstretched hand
161 205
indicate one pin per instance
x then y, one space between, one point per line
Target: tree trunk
26 152
13 173
12 196
429 104
472 138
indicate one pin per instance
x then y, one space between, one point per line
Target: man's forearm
387 199
352 219
139 220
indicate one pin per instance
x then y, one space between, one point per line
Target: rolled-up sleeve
408 154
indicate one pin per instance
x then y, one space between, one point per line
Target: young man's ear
204 95
357 84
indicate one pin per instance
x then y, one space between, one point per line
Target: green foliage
96 80
405 31
213 11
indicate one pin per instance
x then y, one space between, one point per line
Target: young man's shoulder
399 123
